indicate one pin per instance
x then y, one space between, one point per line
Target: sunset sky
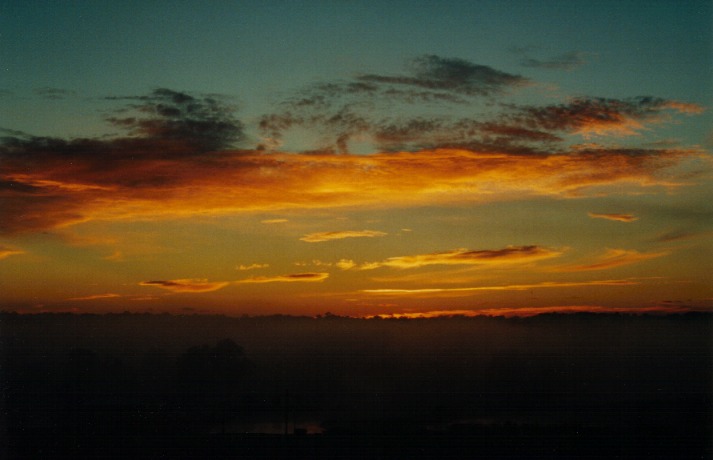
361 158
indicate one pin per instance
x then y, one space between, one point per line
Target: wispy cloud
274 221
186 285
569 309
459 76
6 252
346 264
510 254
362 109
588 116
614 216
358 107
116 256
252 267
679 235
535 311
566 61
338 235
54 93
180 120
96 297
448 292
292 278
613 258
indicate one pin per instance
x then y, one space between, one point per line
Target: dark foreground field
161 386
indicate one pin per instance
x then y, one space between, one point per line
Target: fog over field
73 380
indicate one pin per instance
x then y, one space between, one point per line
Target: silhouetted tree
209 379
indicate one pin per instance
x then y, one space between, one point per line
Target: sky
360 158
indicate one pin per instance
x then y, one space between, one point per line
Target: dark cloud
566 61
619 217
344 110
413 133
291 278
518 132
507 255
186 285
203 123
25 214
451 75
336 127
54 93
48 181
164 124
428 133
403 134
679 235
596 115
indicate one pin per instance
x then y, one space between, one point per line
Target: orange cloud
534 311
252 267
251 181
613 258
684 107
346 264
274 221
96 297
327 236
116 256
448 292
680 235
6 252
510 254
588 116
186 285
293 278
617 217
569 309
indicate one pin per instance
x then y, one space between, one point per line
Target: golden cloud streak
96 297
252 267
247 181
534 311
620 125
437 292
510 254
685 107
613 258
345 264
293 278
186 285
7 252
274 221
338 235
28 179
616 217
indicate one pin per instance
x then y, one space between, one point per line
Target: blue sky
258 51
